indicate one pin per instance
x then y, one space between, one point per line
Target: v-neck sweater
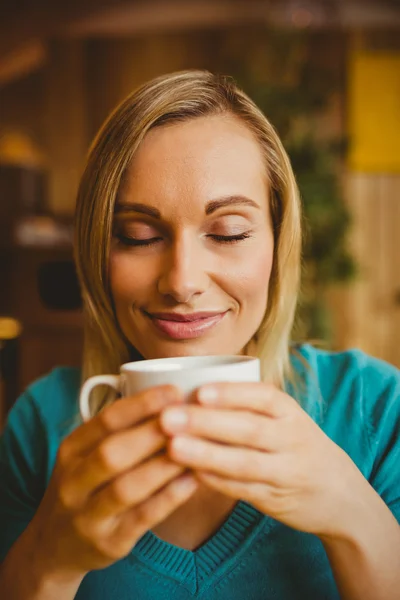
354 398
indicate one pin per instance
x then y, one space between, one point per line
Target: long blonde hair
172 98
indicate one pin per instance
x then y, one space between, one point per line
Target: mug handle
84 397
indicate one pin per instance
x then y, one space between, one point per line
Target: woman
188 243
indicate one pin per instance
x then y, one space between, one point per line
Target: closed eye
130 241
222 239
230 239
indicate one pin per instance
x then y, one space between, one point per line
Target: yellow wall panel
374 111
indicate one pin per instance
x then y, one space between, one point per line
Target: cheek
251 276
129 281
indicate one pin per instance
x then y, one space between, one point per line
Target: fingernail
174 419
186 483
208 394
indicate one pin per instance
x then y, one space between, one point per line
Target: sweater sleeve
383 418
22 470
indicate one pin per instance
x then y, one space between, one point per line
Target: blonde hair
173 98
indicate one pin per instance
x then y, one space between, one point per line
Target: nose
184 270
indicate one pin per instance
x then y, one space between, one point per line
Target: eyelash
222 239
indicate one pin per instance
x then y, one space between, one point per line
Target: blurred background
325 72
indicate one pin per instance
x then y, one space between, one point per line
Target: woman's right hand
109 486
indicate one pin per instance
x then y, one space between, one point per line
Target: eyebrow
211 207
229 201
139 208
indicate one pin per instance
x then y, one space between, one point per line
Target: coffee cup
187 372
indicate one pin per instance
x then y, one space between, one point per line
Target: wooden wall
22 107
367 313
63 105
116 67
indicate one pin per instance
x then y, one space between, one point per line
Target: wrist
57 585
23 577
48 579
365 555
361 519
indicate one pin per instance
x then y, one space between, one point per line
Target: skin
179 170
241 441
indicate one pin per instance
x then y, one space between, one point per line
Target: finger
116 454
241 490
121 414
261 397
132 488
238 427
228 461
268 499
137 521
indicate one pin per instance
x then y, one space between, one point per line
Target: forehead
199 159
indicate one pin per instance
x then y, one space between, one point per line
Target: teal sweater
354 398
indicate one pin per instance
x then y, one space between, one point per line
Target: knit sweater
354 398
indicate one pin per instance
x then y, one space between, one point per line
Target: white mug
187 372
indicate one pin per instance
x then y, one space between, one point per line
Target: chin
186 348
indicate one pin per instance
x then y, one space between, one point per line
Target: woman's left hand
253 442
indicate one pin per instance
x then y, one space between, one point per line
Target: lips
181 326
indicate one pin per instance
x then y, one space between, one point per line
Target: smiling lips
183 327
